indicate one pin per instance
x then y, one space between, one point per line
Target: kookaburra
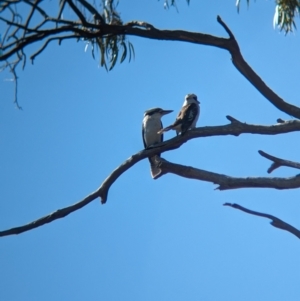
151 126
187 117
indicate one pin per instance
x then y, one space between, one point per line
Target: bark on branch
276 222
235 128
277 162
227 182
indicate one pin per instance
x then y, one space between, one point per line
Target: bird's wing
191 112
187 114
143 132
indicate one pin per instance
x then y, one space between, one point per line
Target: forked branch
276 222
277 162
226 182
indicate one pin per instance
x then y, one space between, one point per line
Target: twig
277 162
12 68
60 39
92 10
61 8
77 12
225 27
40 10
276 222
34 6
40 36
18 26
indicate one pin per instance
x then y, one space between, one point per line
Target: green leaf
114 59
124 52
131 50
93 50
102 53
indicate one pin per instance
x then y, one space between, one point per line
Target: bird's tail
165 129
154 169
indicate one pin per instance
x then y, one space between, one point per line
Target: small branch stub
277 162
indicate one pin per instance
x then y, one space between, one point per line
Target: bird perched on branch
152 124
187 117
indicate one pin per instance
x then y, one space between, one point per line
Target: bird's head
157 112
191 98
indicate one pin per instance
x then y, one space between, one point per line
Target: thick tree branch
229 44
96 30
235 128
276 222
254 79
277 162
227 182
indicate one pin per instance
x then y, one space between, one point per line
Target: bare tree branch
21 44
60 39
239 62
60 213
229 32
276 222
236 128
61 8
37 7
225 182
15 77
277 162
92 10
77 12
34 7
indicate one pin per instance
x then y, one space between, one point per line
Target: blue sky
169 239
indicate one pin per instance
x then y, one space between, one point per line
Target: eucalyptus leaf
124 52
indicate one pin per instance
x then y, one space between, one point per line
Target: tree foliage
40 25
285 13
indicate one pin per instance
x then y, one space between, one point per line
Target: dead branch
92 10
60 213
276 222
235 128
277 162
59 39
227 182
77 12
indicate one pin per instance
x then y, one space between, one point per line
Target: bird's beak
165 112
197 100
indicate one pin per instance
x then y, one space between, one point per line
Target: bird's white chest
151 126
193 125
